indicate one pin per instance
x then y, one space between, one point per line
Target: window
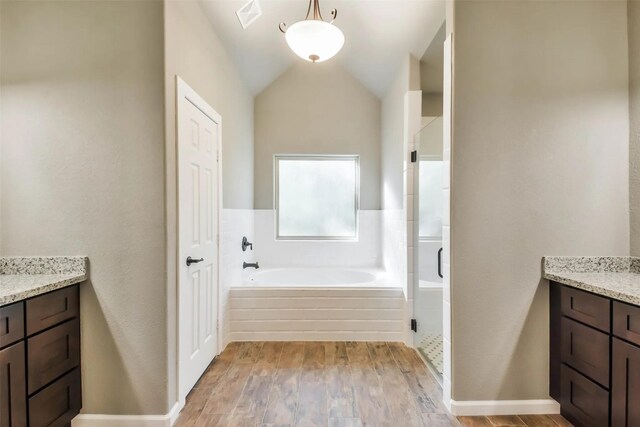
316 197
431 201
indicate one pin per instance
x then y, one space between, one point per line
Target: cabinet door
555 342
625 385
13 387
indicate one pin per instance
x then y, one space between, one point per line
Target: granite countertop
26 277
612 277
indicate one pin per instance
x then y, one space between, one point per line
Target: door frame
184 91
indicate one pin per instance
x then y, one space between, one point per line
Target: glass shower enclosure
428 284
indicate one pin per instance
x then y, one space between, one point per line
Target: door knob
193 261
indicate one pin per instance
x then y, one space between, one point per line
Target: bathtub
317 277
316 304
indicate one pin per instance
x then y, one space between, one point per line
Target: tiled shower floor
431 349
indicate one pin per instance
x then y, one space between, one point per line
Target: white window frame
276 190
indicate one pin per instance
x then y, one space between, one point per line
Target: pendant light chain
317 13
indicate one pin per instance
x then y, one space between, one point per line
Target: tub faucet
250 264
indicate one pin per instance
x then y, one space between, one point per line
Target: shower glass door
429 209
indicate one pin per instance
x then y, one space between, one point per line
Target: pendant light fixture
313 39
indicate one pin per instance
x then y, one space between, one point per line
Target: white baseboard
96 420
177 407
503 407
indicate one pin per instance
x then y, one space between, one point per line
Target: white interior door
198 198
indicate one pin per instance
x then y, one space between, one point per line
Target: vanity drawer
11 323
52 308
52 353
56 405
587 308
583 402
586 350
626 322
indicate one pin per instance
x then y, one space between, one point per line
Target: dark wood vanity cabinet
625 373
40 381
625 386
594 358
13 386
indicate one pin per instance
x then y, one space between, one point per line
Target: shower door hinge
414 156
414 325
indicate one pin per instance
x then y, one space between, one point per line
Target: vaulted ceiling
378 33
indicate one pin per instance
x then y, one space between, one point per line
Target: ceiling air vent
249 13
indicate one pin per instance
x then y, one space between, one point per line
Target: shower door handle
440 262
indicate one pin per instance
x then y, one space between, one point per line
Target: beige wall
414 73
634 117
432 75
317 109
194 52
539 167
431 104
83 174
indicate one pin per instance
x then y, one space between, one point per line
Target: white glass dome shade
314 40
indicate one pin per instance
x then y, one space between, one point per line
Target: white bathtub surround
366 251
394 243
316 314
394 252
307 290
234 224
323 277
321 303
